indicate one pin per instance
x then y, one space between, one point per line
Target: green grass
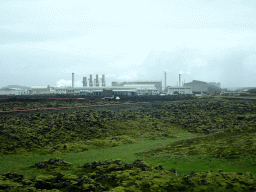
128 153
128 139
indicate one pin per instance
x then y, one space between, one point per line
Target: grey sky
44 41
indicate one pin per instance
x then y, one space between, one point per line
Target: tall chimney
90 81
103 80
165 80
97 81
72 80
84 82
179 79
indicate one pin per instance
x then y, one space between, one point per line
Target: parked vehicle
111 98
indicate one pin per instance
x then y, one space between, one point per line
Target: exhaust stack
97 81
103 80
90 81
165 80
72 80
179 79
84 82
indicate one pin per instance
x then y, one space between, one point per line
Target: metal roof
196 82
40 87
149 80
119 87
140 80
140 85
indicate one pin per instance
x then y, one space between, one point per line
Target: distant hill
16 87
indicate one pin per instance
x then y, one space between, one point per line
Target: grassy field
183 151
128 153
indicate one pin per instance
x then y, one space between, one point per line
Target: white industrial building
236 93
139 87
62 90
40 89
143 83
14 90
179 90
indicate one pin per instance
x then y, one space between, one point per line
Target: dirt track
151 100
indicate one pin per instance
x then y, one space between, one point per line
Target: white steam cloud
184 72
65 83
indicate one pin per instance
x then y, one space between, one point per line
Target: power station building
153 83
199 87
140 87
194 87
14 90
97 87
40 89
179 90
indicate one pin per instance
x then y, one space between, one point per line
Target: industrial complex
97 87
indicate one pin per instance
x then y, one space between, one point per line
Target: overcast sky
44 41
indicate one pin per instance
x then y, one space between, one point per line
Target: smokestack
84 82
72 80
97 81
90 81
165 80
103 80
179 79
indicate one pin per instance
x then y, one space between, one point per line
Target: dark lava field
220 128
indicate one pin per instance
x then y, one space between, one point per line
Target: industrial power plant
97 87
